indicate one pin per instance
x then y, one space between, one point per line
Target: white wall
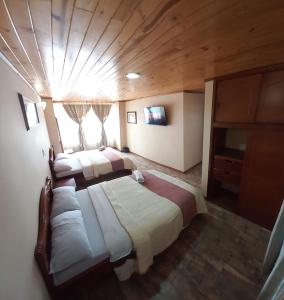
163 144
208 106
23 170
52 126
193 128
177 145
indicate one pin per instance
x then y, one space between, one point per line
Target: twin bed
90 166
126 224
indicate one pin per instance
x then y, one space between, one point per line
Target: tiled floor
218 256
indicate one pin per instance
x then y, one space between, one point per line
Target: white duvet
152 222
94 163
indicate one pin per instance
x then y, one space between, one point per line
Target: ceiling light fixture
133 75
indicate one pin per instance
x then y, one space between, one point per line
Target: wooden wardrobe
250 106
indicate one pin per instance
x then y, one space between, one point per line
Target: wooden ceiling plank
171 42
221 42
117 24
20 15
13 59
143 37
142 12
10 35
62 13
40 13
175 44
157 28
83 14
111 30
103 13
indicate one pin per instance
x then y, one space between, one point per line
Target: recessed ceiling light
133 75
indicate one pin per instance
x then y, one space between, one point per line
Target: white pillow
60 156
69 241
64 199
62 165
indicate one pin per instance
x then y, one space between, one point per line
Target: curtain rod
83 102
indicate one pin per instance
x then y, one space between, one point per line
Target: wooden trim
169 93
259 126
264 69
211 149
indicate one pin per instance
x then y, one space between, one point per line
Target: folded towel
138 176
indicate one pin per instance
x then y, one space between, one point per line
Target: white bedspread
94 163
152 222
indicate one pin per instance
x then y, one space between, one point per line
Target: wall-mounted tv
155 115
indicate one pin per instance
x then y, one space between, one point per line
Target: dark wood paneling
271 103
262 189
236 99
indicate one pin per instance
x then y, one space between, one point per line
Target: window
91 127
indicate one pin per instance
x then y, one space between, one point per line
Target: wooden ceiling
82 49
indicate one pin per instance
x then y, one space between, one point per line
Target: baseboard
176 170
192 166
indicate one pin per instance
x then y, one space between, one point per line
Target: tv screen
155 115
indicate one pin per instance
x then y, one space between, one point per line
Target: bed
92 166
127 224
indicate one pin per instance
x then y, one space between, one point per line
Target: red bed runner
184 199
117 162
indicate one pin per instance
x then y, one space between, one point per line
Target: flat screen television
155 115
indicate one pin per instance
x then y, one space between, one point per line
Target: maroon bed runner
117 162
184 199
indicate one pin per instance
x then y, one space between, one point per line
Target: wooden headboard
43 247
51 161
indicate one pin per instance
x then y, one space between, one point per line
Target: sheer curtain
78 112
102 112
91 127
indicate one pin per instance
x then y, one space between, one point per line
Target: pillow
64 199
62 165
60 156
69 241
101 148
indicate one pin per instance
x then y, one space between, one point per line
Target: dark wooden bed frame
81 182
43 252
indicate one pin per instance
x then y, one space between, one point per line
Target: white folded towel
138 176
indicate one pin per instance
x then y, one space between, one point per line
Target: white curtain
102 112
91 127
78 112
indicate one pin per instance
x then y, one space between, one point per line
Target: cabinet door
271 102
262 186
236 99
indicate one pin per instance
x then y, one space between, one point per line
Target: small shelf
228 153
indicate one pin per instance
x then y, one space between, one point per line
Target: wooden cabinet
227 167
236 99
255 104
262 186
270 107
